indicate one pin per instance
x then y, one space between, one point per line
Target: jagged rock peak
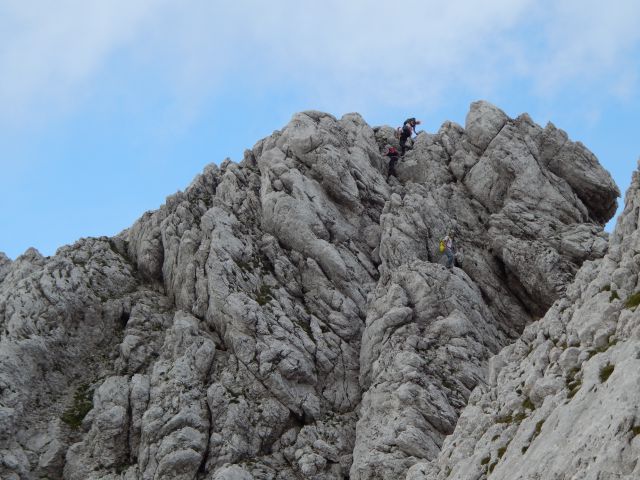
290 316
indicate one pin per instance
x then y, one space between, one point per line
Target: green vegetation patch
573 382
606 371
519 417
606 288
604 348
633 301
306 326
614 296
506 419
485 460
120 469
509 419
538 429
82 404
244 266
636 430
528 404
263 296
574 388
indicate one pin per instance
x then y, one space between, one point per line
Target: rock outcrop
563 401
290 316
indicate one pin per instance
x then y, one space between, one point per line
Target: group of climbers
404 133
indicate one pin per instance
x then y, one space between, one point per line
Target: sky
106 108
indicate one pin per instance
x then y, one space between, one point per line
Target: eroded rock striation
290 316
563 400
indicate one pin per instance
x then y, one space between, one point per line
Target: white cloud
398 53
49 49
352 52
588 43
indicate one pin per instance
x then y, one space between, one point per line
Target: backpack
442 246
399 132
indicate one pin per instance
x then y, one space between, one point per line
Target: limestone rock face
291 316
563 400
5 263
483 123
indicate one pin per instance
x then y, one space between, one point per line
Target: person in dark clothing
408 129
393 155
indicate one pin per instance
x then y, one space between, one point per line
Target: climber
393 155
408 129
449 248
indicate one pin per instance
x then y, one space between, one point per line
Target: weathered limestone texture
290 317
563 401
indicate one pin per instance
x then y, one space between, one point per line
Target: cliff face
564 400
290 316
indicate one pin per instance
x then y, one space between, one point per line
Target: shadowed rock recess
290 317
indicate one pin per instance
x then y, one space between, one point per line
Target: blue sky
108 107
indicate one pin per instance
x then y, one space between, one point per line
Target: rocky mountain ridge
289 317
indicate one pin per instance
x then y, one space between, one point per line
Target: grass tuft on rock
538 428
501 451
606 371
633 301
528 404
306 326
574 388
82 404
263 296
573 382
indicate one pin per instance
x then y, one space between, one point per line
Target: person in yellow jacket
449 249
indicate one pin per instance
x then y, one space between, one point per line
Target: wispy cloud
51 49
586 43
360 51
